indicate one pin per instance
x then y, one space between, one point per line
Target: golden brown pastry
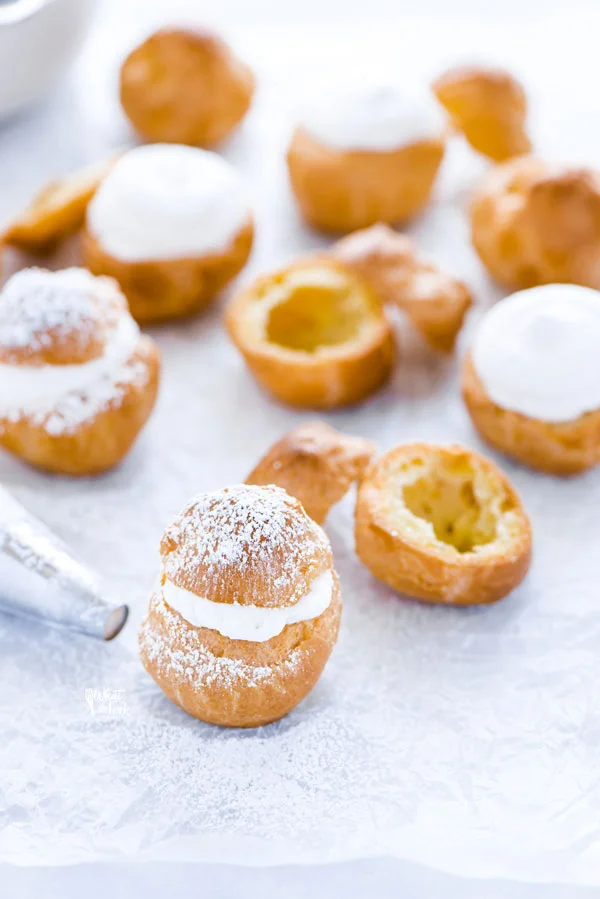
57 211
531 381
536 224
79 380
365 154
436 303
248 607
316 464
442 524
313 334
185 86
172 225
489 107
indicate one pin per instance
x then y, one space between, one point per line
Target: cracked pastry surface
80 381
185 85
313 334
316 464
248 607
442 524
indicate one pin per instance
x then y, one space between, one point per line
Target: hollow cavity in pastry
435 302
531 382
489 107
184 85
79 380
316 464
57 211
313 334
248 607
172 225
533 223
442 524
363 154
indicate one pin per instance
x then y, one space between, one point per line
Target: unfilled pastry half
489 106
78 379
363 154
442 524
57 211
316 464
248 607
531 381
533 223
435 302
172 225
313 334
184 85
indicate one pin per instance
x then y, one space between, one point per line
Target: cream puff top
167 201
372 116
538 352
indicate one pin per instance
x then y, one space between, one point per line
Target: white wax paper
464 739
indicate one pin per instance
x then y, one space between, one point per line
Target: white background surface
538 24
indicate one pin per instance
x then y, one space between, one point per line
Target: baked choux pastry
78 379
172 225
436 303
536 224
185 86
316 464
365 154
313 334
442 524
531 381
248 607
489 107
57 211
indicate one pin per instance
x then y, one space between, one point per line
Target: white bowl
38 41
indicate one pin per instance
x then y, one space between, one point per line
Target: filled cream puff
57 211
316 464
531 381
314 334
247 610
363 154
442 524
172 225
533 223
185 86
436 303
78 379
489 106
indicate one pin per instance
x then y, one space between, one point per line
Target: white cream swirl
538 352
167 201
372 116
249 622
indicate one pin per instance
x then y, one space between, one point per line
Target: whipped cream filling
538 352
35 390
376 116
248 622
167 201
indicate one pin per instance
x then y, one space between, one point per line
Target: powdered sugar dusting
260 530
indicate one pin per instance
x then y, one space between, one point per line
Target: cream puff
442 524
172 225
489 106
436 303
57 211
78 379
531 381
313 334
316 464
532 223
365 154
185 86
248 607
